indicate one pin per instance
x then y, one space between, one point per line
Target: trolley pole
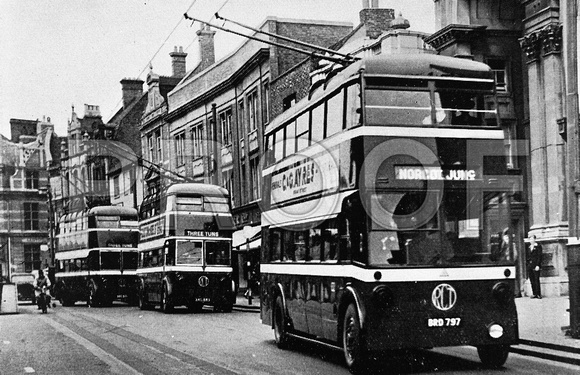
570 33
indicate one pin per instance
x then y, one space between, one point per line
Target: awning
249 232
255 244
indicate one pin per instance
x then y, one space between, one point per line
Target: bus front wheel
93 299
493 356
166 305
352 340
143 303
280 326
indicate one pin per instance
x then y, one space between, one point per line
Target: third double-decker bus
96 256
388 195
185 248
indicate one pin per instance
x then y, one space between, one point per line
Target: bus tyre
280 325
166 305
352 341
493 356
93 298
143 303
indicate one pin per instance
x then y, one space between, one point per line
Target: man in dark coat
534 263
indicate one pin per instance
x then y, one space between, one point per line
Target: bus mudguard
350 292
278 289
167 281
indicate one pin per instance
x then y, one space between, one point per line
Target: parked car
25 286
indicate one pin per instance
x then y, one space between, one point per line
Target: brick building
237 94
24 215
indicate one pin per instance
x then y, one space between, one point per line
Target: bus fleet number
443 322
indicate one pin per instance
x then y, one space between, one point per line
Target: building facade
24 214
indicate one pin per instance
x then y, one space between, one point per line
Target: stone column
549 203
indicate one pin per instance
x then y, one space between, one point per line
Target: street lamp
46 191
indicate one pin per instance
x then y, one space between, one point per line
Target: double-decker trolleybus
185 249
96 256
388 196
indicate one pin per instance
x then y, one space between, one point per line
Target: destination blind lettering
200 233
435 173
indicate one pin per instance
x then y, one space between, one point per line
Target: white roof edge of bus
83 253
203 188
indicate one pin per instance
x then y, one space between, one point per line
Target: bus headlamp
495 330
383 296
502 293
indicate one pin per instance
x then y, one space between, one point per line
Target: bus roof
427 65
112 210
409 65
197 189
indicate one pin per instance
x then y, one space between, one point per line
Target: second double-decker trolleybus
96 256
185 249
389 195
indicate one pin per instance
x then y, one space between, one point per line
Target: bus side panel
72 288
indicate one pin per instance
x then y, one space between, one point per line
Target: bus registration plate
443 322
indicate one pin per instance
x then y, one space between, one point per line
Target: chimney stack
376 20
206 47
132 89
178 62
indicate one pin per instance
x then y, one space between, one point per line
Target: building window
180 148
253 109
72 144
31 258
158 146
197 140
116 187
225 119
31 216
288 101
499 68
154 146
266 106
255 172
243 184
227 182
32 180
241 120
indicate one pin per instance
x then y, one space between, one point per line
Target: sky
55 54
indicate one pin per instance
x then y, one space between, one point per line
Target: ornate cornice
543 42
454 33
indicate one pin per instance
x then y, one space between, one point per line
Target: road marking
116 366
172 357
29 370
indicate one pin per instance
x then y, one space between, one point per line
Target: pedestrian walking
534 265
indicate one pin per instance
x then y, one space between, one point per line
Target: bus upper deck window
216 204
394 107
189 204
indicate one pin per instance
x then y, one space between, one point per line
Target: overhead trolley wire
155 54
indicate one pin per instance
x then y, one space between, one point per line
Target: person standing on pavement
534 264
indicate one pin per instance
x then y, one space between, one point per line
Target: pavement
543 324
